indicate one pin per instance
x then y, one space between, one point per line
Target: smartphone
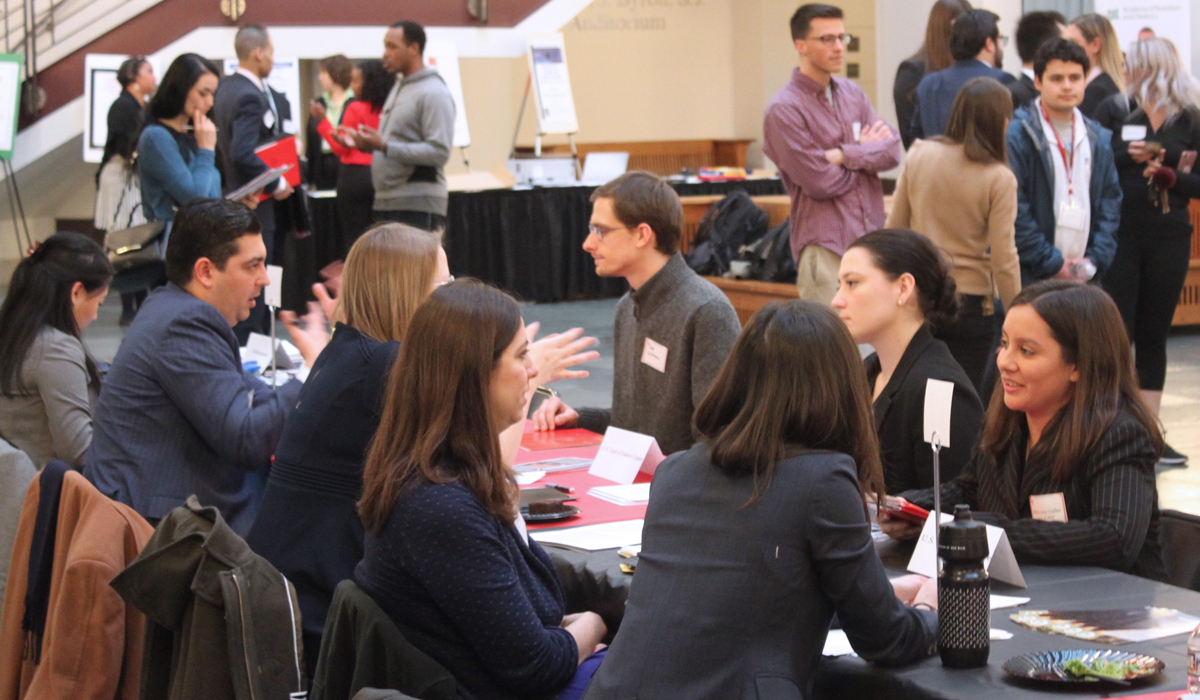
911 513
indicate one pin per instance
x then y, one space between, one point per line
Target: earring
899 302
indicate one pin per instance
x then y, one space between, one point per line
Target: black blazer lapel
912 353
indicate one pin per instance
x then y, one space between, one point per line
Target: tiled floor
1179 488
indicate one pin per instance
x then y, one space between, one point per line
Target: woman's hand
894 527
1153 166
907 587
553 413
588 629
317 111
927 594
310 339
555 353
204 130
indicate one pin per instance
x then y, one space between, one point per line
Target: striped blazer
1112 502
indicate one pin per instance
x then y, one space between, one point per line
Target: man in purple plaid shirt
829 145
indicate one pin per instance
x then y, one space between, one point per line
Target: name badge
655 355
856 128
1133 132
1049 507
1070 217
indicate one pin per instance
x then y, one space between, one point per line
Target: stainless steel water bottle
964 610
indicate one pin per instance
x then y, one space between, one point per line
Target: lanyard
1070 164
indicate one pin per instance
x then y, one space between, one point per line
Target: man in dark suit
248 114
178 415
977 47
1033 30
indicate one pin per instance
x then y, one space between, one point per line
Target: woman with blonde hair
1155 136
1099 40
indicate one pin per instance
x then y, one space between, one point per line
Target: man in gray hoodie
416 133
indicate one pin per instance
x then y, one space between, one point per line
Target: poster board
443 55
100 90
554 102
1170 19
285 78
10 93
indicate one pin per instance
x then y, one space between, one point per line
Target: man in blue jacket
178 416
978 49
1068 197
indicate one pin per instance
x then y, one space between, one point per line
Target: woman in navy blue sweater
446 553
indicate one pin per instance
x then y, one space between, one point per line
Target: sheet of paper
623 454
999 635
591 538
1001 564
837 644
527 478
999 602
623 495
273 292
939 398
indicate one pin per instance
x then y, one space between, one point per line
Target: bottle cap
964 538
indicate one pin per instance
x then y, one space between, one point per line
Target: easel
555 109
15 206
537 138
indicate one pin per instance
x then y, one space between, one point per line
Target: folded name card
1001 564
623 454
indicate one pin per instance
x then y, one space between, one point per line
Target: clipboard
258 183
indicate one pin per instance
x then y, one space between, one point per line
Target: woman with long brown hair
758 534
958 190
446 554
1066 461
933 56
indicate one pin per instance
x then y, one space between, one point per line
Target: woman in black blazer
758 534
892 284
1066 462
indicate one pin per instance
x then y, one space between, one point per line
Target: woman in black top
1099 40
1155 137
891 285
933 56
1066 462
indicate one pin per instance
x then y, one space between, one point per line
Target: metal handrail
48 18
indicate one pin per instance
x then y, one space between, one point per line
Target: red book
277 154
559 439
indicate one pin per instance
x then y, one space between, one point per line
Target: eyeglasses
601 231
831 39
443 282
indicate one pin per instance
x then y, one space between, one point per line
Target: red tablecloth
592 510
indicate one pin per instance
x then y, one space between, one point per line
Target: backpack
728 225
771 256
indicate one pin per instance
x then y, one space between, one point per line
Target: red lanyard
1070 164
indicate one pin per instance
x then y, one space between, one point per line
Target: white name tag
1133 132
856 128
655 355
1049 507
1070 217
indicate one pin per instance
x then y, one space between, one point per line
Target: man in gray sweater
416 133
673 330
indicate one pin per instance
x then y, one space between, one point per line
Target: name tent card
273 292
939 398
624 453
1001 564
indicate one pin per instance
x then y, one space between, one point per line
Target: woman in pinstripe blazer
1066 461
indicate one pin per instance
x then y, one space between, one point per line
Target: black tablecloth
594 582
529 242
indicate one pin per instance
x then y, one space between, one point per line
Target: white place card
624 453
1001 564
939 399
273 292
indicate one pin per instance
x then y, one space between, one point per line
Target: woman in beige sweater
957 189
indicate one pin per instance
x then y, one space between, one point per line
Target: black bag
728 225
771 256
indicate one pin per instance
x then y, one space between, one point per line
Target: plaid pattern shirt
832 205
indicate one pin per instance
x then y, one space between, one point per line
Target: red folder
277 154
559 439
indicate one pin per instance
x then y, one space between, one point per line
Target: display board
443 55
1170 19
10 93
285 78
554 102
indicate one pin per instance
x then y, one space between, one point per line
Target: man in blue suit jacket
178 415
977 48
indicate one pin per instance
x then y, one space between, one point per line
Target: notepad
553 466
631 495
592 538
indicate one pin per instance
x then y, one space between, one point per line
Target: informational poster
10 93
552 85
1169 19
443 55
285 78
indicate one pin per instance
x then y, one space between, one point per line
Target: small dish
1048 665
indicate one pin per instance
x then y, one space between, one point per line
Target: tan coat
92 646
965 208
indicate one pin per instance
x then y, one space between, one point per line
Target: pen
560 487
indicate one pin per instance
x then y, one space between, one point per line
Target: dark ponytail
39 295
896 251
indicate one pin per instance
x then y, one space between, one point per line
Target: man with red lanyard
1068 197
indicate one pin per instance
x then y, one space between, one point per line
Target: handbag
137 241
